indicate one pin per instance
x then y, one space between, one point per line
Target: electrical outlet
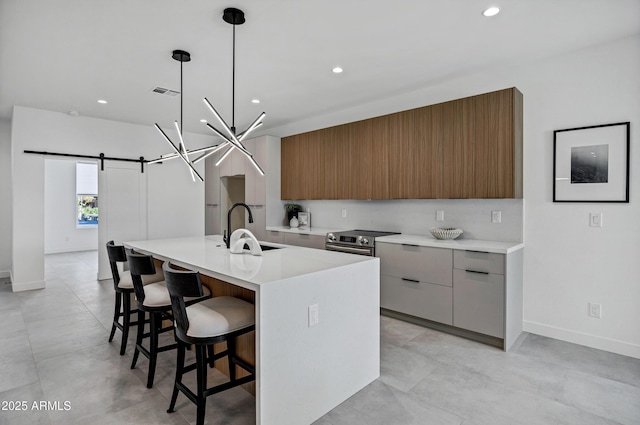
440 215
595 219
595 310
314 315
344 213
496 216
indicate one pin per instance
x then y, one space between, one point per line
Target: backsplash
416 216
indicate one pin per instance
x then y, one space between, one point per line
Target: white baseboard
4 274
63 250
27 286
588 340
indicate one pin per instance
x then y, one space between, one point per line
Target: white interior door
122 194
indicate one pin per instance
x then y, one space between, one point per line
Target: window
87 194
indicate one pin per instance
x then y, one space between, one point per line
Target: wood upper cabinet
466 148
343 162
415 153
459 148
364 166
293 161
498 152
319 165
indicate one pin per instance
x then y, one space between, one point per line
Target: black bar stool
154 299
123 286
201 325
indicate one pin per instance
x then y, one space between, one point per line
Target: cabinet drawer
304 239
432 265
478 302
275 236
487 262
420 299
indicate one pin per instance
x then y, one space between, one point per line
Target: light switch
440 215
595 219
344 213
314 315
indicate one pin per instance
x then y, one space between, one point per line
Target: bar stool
203 324
154 299
123 286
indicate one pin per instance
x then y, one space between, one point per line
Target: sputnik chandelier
232 140
181 151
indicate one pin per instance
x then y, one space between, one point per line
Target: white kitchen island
302 371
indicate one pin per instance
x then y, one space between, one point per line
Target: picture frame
304 220
591 164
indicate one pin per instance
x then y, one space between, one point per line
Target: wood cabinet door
458 148
495 145
401 165
375 170
428 152
323 156
363 159
293 163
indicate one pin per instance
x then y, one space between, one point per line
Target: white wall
34 129
567 263
416 216
5 198
61 233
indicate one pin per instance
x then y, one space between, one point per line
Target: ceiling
64 55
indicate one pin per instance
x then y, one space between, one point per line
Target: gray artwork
590 164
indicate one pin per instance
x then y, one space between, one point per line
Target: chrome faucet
227 236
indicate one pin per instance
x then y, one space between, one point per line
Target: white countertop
464 244
308 231
209 255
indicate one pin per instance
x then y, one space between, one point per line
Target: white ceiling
64 55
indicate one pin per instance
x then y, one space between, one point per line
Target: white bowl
445 232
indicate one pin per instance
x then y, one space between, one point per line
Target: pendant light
181 151
232 140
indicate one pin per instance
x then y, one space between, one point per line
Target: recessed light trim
337 70
491 11
102 101
255 100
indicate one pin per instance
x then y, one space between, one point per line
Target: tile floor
53 347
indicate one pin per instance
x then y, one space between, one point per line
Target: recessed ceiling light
337 70
203 120
492 11
255 100
102 101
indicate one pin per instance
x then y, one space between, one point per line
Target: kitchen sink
263 247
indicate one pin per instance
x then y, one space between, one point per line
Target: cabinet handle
475 271
410 280
408 244
479 252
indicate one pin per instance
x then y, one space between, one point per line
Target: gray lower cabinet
471 290
478 302
304 239
416 280
420 299
274 236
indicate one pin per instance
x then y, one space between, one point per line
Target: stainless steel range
360 242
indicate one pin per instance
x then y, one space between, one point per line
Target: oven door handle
351 250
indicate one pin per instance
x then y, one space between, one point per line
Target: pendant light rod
233 85
181 56
234 17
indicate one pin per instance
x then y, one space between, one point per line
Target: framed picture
591 164
304 219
